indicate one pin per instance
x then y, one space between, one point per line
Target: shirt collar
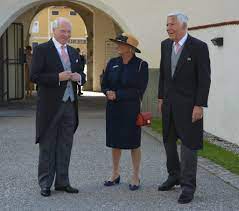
57 44
183 40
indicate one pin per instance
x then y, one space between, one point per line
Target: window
35 27
73 13
54 12
78 41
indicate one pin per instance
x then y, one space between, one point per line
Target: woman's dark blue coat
129 82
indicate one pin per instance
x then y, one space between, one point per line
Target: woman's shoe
111 183
134 187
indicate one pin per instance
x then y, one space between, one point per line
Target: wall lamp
217 41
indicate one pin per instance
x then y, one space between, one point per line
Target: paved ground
90 165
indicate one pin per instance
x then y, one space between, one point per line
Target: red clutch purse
143 119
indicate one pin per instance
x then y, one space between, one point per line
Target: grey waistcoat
69 93
174 59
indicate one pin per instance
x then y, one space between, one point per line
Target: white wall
222 115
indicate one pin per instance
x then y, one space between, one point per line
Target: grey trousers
55 148
186 170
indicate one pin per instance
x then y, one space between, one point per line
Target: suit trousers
186 170
55 148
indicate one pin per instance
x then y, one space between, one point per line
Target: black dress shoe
185 198
67 189
45 192
111 183
134 187
168 185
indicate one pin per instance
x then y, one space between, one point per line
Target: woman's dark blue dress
129 83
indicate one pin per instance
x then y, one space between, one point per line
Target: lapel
55 56
71 56
184 55
169 54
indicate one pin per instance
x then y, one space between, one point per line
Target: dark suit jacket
189 87
45 69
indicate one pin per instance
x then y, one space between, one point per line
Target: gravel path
90 166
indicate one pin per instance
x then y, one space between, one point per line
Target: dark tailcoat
46 66
188 87
129 83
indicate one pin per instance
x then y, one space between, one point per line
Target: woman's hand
111 95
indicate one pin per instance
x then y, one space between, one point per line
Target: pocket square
77 61
189 59
115 66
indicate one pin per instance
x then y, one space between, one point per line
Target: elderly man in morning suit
183 92
56 69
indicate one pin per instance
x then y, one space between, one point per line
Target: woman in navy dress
124 83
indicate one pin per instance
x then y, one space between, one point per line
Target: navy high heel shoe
134 187
111 183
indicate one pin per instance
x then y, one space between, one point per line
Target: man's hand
160 104
65 76
111 95
197 113
75 77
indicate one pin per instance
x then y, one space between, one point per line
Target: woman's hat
128 39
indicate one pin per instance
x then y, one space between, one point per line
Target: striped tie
64 55
177 47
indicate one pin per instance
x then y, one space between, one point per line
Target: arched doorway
100 27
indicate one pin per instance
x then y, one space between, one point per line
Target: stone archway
21 7
87 16
95 15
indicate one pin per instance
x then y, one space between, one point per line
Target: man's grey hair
182 18
56 23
